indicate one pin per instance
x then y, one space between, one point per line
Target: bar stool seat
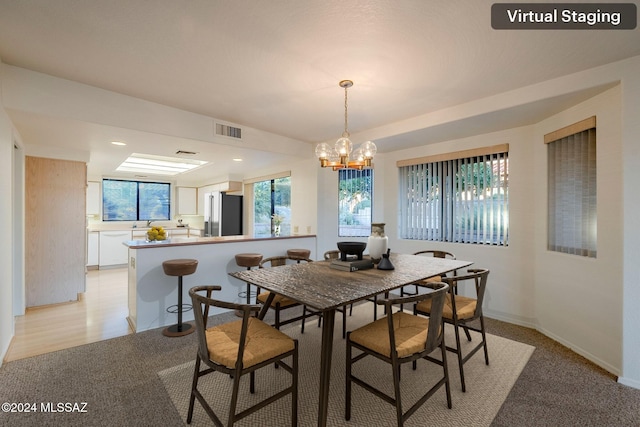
180 268
298 254
248 260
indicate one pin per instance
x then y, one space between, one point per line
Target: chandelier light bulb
323 150
369 149
344 146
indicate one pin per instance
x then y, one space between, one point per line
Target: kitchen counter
143 244
117 227
150 291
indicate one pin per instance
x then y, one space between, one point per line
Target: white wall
511 287
578 300
6 252
586 304
630 77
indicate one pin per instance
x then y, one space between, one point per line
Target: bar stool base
178 330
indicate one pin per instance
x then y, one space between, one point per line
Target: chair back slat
436 329
479 277
436 291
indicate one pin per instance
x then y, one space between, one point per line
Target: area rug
487 386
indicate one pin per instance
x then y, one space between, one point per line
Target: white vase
276 230
378 241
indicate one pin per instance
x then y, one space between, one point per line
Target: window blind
572 193
462 199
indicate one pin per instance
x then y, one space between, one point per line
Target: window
459 197
572 204
272 197
355 195
135 200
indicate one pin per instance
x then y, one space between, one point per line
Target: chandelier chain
346 121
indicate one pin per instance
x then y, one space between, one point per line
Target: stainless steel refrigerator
223 214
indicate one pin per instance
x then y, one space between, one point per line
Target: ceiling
275 66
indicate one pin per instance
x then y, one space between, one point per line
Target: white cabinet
93 198
112 250
187 201
139 234
93 248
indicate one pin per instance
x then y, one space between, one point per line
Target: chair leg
194 385
459 352
466 332
234 398
484 340
277 316
252 382
304 316
294 391
445 368
396 391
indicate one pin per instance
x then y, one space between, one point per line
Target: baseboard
629 382
533 324
5 350
582 352
508 318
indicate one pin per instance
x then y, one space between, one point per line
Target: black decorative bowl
351 248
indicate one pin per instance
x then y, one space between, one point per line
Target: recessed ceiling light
159 165
118 143
237 159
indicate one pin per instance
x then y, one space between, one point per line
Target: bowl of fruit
156 233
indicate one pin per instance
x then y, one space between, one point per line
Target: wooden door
55 230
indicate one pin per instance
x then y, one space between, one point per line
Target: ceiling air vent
228 131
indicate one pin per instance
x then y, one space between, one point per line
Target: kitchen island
151 291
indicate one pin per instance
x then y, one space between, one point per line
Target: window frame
137 183
282 210
368 189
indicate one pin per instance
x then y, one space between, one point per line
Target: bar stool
299 254
248 260
180 268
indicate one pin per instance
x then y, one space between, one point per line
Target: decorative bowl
351 248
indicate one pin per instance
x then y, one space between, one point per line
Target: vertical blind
462 199
572 202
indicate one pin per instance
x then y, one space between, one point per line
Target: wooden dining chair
412 289
460 311
280 302
429 253
397 339
238 348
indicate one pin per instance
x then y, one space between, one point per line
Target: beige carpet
487 386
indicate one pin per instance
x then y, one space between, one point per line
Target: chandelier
341 156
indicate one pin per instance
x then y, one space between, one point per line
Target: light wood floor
100 314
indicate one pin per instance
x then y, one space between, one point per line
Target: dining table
326 289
